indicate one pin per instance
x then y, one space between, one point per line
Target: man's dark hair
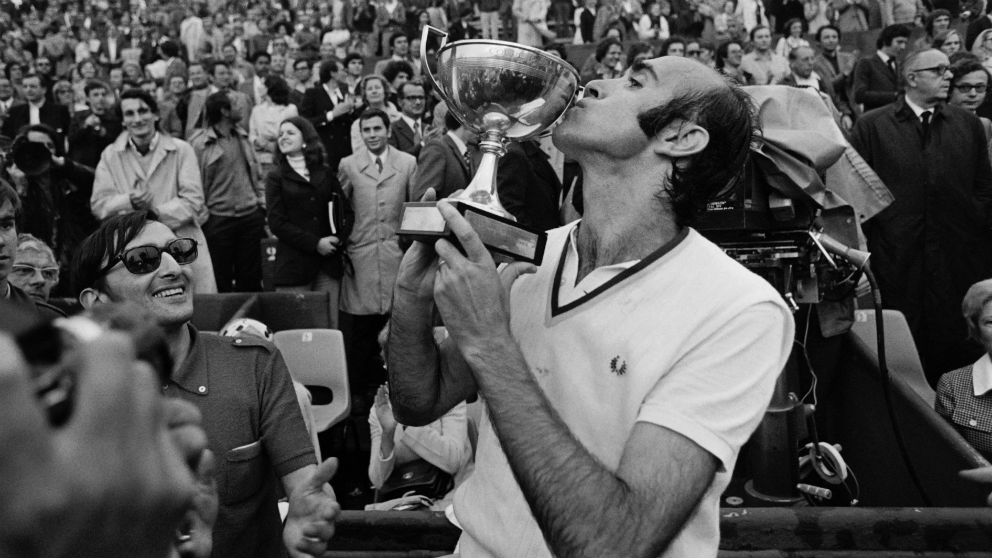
22 136
755 30
106 242
213 107
141 94
635 50
353 56
169 48
604 46
396 37
728 115
723 49
401 94
675 40
304 61
259 54
327 70
891 33
395 68
277 89
932 16
819 32
450 122
9 67
216 63
965 66
93 85
33 75
371 113
8 194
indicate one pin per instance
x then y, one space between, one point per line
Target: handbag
419 477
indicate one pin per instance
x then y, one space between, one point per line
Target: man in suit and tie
111 47
37 110
95 128
410 132
876 79
376 180
331 112
445 163
528 187
835 68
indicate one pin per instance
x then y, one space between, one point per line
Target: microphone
829 245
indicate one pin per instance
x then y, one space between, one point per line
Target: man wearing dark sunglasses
240 385
934 241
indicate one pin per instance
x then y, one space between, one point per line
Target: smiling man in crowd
600 440
240 385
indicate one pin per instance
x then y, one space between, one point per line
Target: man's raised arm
425 379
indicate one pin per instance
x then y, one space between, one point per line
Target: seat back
900 351
315 358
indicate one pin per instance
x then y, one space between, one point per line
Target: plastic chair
315 358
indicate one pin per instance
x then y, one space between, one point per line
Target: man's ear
681 139
91 297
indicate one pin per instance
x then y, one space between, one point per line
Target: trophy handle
425 67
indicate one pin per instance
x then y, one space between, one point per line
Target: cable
883 368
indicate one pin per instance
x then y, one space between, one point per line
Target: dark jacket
401 137
86 144
934 241
336 134
528 186
298 216
442 167
52 114
875 84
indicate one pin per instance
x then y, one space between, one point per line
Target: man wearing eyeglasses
10 209
35 270
933 242
240 385
409 133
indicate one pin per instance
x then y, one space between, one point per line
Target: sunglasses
142 260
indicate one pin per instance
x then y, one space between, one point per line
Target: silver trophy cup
502 91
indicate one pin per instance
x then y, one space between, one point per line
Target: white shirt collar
151 146
918 110
462 148
883 56
410 122
981 375
382 156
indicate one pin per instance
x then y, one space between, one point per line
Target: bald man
623 375
933 242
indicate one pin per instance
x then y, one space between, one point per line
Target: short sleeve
717 393
283 431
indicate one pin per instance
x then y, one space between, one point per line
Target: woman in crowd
299 191
606 62
937 22
263 126
653 25
16 53
948 42
794 28
964 396
374 88
639 52
982 48
969 85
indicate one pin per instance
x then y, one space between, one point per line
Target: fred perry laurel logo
617 366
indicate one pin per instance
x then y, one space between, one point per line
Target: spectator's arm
107 198
281 223
447 447
380 466
188 205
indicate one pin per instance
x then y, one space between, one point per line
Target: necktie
378 164
468 161
925 117
416 132
892 66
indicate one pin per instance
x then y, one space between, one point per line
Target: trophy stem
481 191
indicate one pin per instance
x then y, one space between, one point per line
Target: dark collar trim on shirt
556 310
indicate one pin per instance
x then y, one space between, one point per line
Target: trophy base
505 239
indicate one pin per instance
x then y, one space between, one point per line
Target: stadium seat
315 358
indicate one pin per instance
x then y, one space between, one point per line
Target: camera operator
54 191
115 479
93 129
